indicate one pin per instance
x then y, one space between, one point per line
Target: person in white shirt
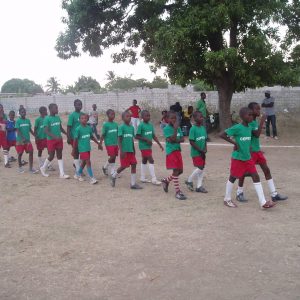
93 120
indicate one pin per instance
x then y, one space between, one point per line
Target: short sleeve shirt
145 130
127 134
10 135
134 109
270 111
199 136
93 117
110 133
53 123
201 106
83 134
73 122
242 136
24 126
168 132
39 125
255 144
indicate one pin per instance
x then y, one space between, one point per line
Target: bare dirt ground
61 239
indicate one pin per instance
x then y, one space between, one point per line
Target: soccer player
23 128
135 117
2 111
73 123
145 134
11 135
127 151
3 139
109 135
198 139
258 156
53 130
241 162
82 144
93 120
174 137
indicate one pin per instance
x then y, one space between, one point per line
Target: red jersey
134 109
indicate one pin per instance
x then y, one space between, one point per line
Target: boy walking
11 135
3 139
93 120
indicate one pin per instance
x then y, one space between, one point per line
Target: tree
230 44
87 84
21 86
53 85
110 75
159 83
121 83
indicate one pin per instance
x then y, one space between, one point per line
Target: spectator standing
135 115
201 106
93 120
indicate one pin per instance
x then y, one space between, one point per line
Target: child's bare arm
46 130
225 137
257 133
63 131
158 142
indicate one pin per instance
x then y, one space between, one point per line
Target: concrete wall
286 98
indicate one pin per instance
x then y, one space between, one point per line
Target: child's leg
76 160
61 164
144 168
152 170
30 160
175 178
259 189
269 179
229 186
40 152
20 159
89 168
6 155
133 175
112 163
200 176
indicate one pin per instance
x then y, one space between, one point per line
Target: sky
29 29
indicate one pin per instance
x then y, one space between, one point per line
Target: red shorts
112 150
198 162
71 142
53 145
128 160
11 144
174 160
146 153
85 155
239 168
25 147
258 158
41 144
3 143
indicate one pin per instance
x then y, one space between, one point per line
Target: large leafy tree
87 84
230 44
53 85
21 86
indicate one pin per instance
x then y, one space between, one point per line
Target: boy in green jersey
174 137
241 162
258 156
53 130
73 123
109 135
127 151
145 134
23 128
198 139
82 144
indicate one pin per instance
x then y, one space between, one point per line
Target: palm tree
53 85
110 76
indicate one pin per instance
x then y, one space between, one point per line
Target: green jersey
242 136
168 132
255 144
39 125
199 136
83 134
145 130
201 106
127 134
23 126
110 133
53 123
73 122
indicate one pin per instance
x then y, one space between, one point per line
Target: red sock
176 183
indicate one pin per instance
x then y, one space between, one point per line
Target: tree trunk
225 91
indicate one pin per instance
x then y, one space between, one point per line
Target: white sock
61 167
143 171
200 178
77 165
106 165
229 186
133 179
191 177
46 164
272 187
112 168
114 174
152 171
240 190
40 159
5 155
260 193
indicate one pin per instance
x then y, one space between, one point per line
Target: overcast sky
29 29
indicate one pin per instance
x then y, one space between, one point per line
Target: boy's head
78 105
43 111
267 94
198 117
134 102
190 109
164 113
11 115
246 114
145 116
172 119
110 114
126 117
255 107
53 109
84 119
203 96
22 112
94 106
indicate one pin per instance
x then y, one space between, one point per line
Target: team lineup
118 140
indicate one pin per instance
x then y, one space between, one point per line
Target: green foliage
53 85
87 84
21 86
200 86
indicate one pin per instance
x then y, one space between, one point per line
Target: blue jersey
10 134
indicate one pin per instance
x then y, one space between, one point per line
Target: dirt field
68 240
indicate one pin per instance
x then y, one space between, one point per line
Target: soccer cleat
201 189
165 185
21 170
240 197
113 181
275 137
93 181
145 180
64 176
78 177
43 172
12 159
105 172
180 196
269 204
279 197
229 203
33 171
136 187
7 165
189 185
156 182
50 168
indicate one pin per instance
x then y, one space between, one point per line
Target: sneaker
64 176
105 172
165 185
12 159
23 162
156 182
21 170
7 165
145 180
229 203
180 196
43 172
279 197
269 204
189 185
33 171
113 181
201 189
78 177
136 187
93 181
275 137
50 168
240 197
